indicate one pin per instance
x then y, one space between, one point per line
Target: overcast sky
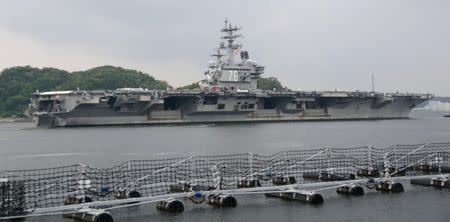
307 45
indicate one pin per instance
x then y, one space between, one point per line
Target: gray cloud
306 44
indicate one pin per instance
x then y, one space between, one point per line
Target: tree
270 83
191 86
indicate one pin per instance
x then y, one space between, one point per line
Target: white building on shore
437 106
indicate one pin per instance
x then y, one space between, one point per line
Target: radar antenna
230 37
218 54
373 83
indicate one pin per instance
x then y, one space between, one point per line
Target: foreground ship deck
228 94
82 192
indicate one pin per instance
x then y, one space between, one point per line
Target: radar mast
230 37
224 73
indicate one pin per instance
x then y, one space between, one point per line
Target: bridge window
221 106
251 106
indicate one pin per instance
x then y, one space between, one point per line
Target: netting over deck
22 191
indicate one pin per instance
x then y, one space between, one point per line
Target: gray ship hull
352 109
137 120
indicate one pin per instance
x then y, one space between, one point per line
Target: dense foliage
191 86
18 83
270 83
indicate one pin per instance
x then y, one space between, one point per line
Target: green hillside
18 83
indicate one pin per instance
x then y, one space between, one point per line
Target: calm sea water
22 145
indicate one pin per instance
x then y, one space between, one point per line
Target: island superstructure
228 94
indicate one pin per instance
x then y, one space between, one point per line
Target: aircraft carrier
228 94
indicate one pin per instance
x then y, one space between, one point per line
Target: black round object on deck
104 217
356 191
228 201
86 200
292 180
397 187
316 198
283 180
353 190
134 194
175 205
351 176
170 205
77 200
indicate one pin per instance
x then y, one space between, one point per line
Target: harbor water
22 146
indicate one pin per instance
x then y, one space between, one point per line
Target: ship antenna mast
373 83
230 37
